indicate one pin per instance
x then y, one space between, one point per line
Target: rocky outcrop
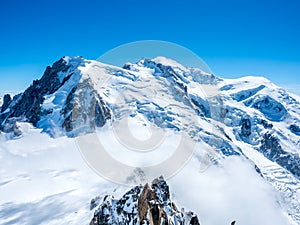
84 108
271 149
143 205
246 127
6 102
28 106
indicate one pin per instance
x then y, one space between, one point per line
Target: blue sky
235 38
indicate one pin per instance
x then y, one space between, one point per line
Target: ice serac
148 204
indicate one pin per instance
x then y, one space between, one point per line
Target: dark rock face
271 149
84 107
143 205
246 127
67 124
201 107
266 124
50 82
102 113
6 102
27 107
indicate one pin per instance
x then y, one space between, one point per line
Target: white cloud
233 192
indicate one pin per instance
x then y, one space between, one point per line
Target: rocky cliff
147 205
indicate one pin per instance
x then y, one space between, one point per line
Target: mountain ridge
248 117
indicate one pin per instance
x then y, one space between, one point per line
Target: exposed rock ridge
145 205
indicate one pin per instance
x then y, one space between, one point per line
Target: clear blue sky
234 38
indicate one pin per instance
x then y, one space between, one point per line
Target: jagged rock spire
144 205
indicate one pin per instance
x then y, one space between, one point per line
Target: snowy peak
162 66
49 102
163 61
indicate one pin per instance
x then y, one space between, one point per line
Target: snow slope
48 182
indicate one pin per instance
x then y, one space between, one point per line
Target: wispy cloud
231 192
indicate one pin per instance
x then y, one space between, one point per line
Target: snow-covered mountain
248 119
